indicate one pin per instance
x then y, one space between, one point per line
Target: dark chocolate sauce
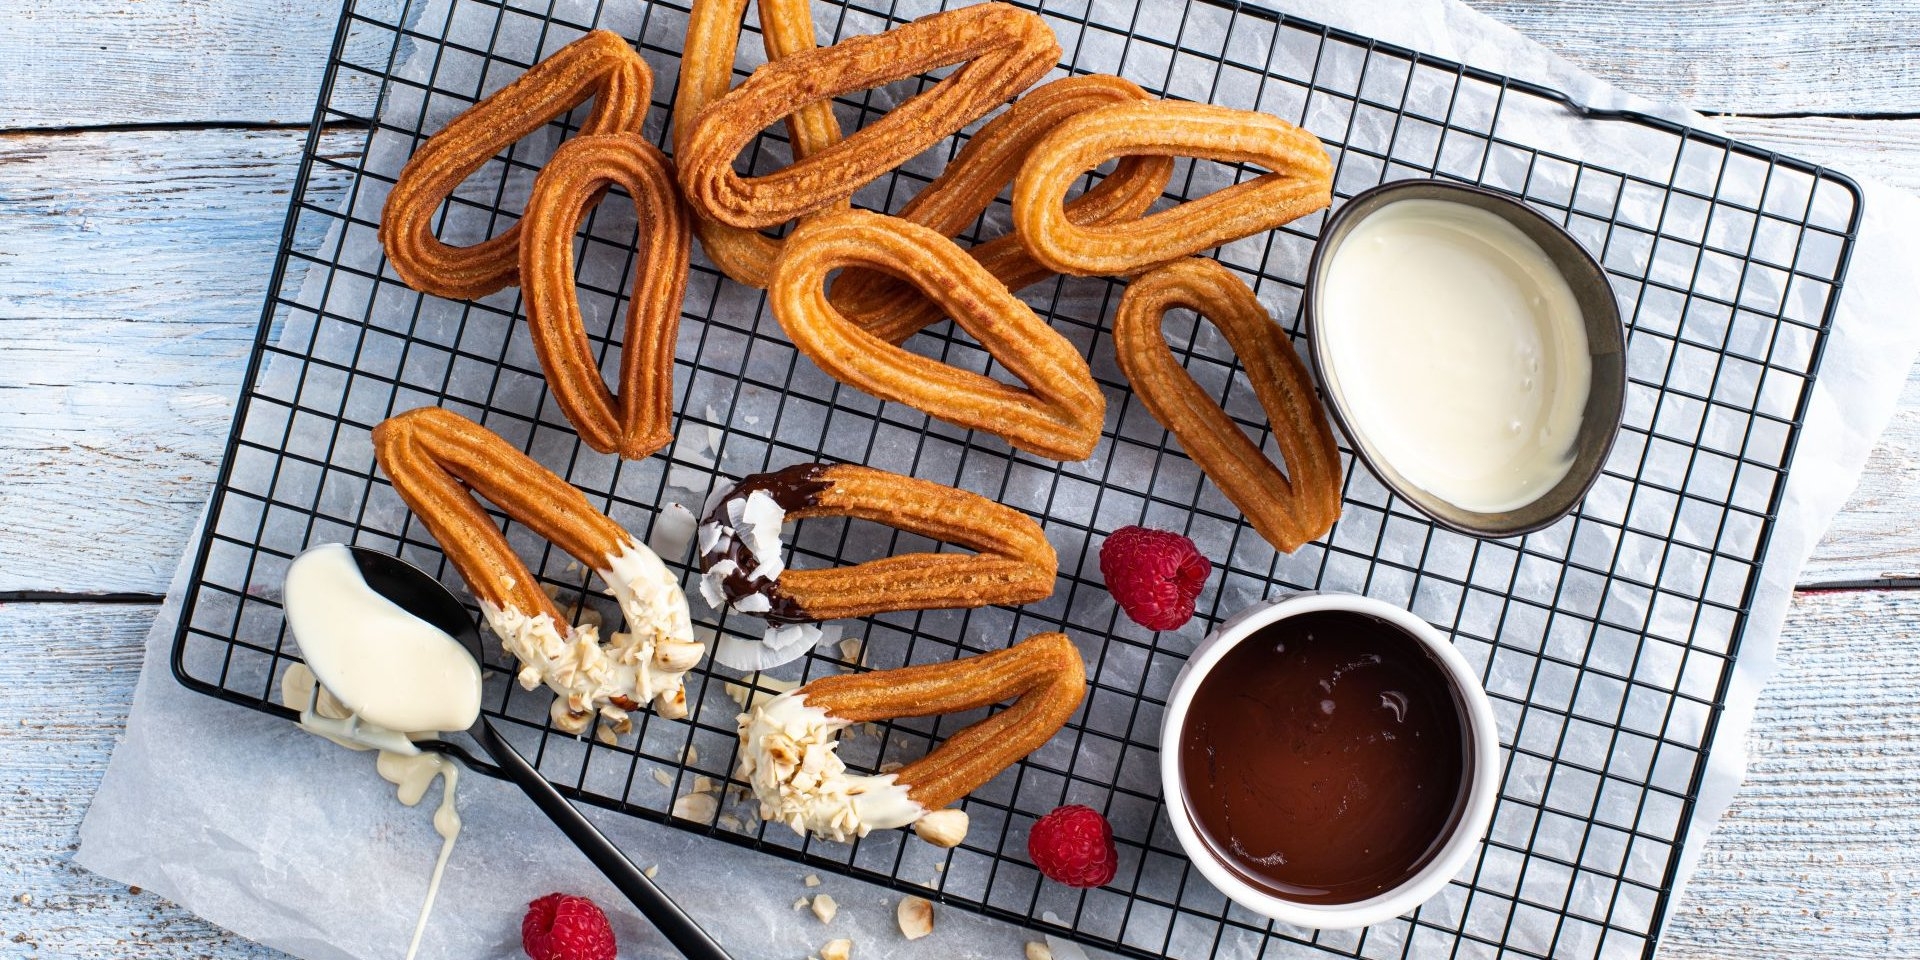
793 488
1324 757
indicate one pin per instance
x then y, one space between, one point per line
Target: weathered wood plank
1887 150
1737 56
1818 856
89 62
55 738
134 267
78 63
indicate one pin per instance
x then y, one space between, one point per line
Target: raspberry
1154 574
1074 845
563 927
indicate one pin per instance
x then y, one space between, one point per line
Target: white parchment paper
297 844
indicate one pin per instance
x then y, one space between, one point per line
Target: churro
1001 51
742 566
437 460
1288 510
706 73
1058 414
600 65
640 419
1299 181
893 310
788 743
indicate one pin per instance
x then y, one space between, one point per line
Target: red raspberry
563 927
1074 845
1154 574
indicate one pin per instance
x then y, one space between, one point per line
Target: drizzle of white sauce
379 678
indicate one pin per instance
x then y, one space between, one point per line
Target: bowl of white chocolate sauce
1471 351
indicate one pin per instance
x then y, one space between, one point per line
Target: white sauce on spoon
1458 350
378 678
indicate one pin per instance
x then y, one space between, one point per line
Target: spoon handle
679 929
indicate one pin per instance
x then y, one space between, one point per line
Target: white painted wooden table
147 149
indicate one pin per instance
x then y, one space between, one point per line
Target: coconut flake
711 535
753 603
672 532
713 583
717 494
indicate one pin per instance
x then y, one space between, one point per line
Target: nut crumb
1037 950
915 916
690 755
836 949
652 871
825 908
660 777
850 650
891 766
702 784
698 807
800 904
812 880
730 822
605 734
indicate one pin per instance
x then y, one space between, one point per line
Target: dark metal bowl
1606 344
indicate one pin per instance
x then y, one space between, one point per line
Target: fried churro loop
787 743
1300 182
706 74
893 310
437 460
640 419
1058 414
1287 510
742 567
599 65
1001 50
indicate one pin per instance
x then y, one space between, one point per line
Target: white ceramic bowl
1482 754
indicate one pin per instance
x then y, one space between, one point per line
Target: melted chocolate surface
793 488
1324 757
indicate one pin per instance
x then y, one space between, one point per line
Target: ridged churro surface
1000 51
1045 672
599 65
1299 181
1059 411
1288 510
1013 562
706 74
639 420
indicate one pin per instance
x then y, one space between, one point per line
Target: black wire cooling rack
1605 641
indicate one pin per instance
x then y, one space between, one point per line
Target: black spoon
411 589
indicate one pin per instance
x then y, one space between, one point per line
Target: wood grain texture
80 63
55 739
1820 854
132 270
1738 56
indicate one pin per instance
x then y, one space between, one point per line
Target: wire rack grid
1605 641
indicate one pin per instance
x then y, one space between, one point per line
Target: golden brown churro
740 556
437 460
1058 415
1300 182
1001 51
893 310
599 65
640 419
706 73
787 743
1287 510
